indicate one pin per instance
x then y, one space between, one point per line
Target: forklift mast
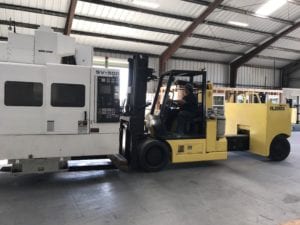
132 128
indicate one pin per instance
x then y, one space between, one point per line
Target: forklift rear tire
280 148
153 155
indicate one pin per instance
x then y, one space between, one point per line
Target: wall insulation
217 73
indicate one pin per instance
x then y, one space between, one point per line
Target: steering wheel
171 104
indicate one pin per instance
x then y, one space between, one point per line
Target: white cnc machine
50 111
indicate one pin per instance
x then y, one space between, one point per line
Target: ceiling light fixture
270 6
239 24
144 3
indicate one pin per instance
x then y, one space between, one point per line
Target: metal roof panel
128 16
223 16
121 31
204 55
119 45
221 32
215 45
54 5
32 18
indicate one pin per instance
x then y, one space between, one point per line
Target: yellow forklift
151 143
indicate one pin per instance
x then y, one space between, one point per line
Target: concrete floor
244 190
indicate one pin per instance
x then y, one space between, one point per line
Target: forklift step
119 161
238 142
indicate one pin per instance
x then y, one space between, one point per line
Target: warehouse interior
248 55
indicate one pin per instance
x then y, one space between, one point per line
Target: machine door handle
85 115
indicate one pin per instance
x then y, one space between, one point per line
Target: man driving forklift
188 109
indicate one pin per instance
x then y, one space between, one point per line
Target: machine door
22 99
68 89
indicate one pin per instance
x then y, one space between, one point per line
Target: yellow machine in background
294 115
264 122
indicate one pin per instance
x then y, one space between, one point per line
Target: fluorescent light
148 4
270 6
240 24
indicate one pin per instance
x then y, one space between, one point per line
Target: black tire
280 148
153 155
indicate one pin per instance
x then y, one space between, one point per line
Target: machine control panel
108 100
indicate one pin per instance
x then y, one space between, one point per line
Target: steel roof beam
70 17
240 61
172 48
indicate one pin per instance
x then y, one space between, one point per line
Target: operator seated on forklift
188 109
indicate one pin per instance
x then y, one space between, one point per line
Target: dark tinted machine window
23 93
67 95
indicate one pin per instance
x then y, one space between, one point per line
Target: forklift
151 142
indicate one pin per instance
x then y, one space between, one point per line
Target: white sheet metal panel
216 73
267 62
289 11
32 18
280 54
21 146
204 55
119 45
215 31
176 7
256 23
295 33
128 16
245 4
121 31
3 51
54 5
215 45
4 31
287 44
20 48
250 76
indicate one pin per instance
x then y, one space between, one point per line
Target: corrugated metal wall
217 73
258 77
294 79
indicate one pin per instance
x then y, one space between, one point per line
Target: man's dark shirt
191 103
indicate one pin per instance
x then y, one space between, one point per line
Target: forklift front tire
153 155
279 148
